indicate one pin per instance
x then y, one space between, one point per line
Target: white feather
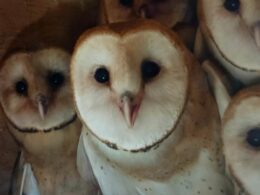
83 163
233 37
29 184
24 181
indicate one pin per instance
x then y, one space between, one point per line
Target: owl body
36 97
240 129
37 101
201 176
231 32
52 159
159 142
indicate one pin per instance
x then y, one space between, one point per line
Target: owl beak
42 102
129 109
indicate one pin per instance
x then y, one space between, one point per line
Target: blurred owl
231 31
144 101
176 14
240 131
168 12
36 97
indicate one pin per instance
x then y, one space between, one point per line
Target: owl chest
61 178
201 178
52 157
48 146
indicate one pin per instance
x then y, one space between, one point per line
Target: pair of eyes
149 70
54 79
231 5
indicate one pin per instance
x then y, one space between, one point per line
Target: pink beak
129 109
42 104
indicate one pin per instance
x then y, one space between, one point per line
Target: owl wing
83 163
219 86
24 181
200 47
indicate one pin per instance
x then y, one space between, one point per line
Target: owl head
168 12
36 91
240 130
131 83
232 31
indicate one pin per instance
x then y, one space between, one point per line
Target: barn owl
143 101
168 12
37 100
240 131
231 31
36 97
176 14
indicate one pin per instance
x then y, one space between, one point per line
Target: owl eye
232 5
21 87
253 137
102 75
55 80
126 3
149 69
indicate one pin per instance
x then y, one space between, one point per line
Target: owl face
240 130
127 91
168 12
229 25
241 138
36 91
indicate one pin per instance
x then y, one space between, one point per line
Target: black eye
149 69
55 80
253 137
232 5
21 87
126 3
102 75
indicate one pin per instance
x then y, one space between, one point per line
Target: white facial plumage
31 98
139 93
232 32
162 96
